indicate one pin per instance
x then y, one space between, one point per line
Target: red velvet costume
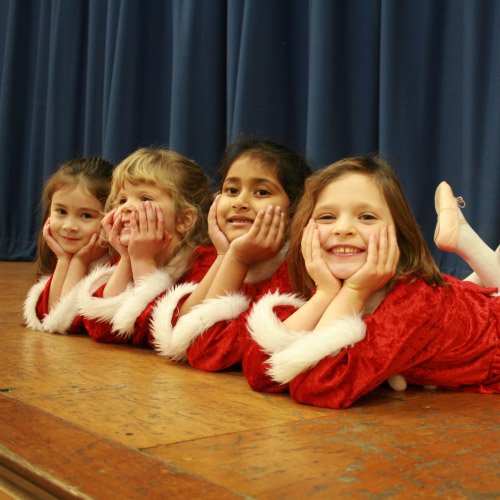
125 318
213 335
446 336
64 317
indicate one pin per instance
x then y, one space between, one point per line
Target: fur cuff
162 317
63 313
146 290
101 309
308 351
265 327
201 317
29 309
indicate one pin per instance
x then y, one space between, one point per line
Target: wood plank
67 461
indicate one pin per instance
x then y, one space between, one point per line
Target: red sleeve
100 331
429 334
42 306
223 344
255 360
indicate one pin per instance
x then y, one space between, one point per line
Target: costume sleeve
36 305
336 365
98 312
268 335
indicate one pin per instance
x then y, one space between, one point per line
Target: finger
143 217
257 223
160 222
393 253
371 259
382 250
272 237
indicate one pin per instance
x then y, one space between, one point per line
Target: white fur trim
102 309
144 291
200 318
29 308
308 351
163 312
63 312
265 327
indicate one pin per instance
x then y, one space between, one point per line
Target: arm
122 274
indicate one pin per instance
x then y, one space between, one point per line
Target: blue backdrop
418 81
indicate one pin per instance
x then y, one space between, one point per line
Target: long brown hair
415 259
92 174
182 178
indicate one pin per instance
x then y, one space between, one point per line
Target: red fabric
255 363
444 336
101 331
224 343
42 309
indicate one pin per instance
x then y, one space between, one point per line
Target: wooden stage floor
85 420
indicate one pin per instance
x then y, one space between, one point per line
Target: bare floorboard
85 420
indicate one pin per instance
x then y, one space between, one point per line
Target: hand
315 264
92 251
218 238
380 265
148 236
263 240
111 224
52 243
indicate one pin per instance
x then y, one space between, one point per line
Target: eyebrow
362 206
83 209
254 180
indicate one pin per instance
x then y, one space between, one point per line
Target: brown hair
181 177
415 259
92 174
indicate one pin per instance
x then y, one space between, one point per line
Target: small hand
92 251
112 225
380 265
218 238
315 264
263 240
148 235
52 243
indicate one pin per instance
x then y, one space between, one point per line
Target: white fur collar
29 309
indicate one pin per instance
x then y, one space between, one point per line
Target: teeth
345 250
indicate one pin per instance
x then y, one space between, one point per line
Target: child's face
347 212
248 187
129 198
75 215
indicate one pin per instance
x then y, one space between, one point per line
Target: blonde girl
156 223
376 304
69 242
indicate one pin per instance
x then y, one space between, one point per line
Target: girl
157 217
262 181
69 243
363 325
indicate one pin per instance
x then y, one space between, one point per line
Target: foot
449 218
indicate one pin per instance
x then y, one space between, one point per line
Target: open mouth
240 221
345 251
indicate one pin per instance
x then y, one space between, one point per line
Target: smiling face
249 186
128 200
75 215
347 212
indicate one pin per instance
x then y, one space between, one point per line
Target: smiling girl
69 243
377 304
247 223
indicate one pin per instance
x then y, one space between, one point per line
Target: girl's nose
343 225
240 201
70 225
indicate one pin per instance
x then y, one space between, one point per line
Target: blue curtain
417 81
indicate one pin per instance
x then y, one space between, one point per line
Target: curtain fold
417 81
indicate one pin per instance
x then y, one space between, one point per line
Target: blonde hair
415 259
179 176
91 174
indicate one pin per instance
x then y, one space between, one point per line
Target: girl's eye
146 198
368 217
231 190
87 215
60 211
263 192
121 201
325 218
